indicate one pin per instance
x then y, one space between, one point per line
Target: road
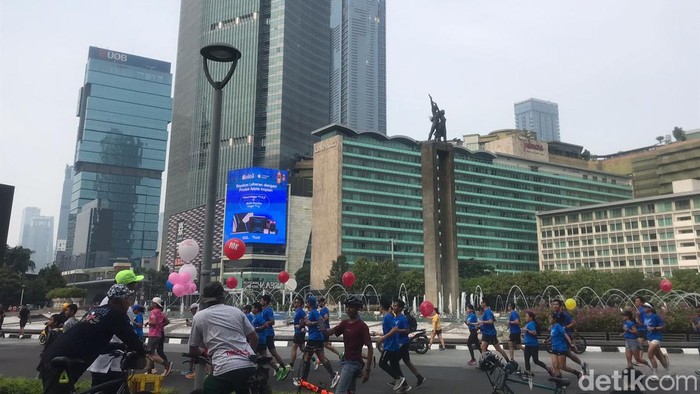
446 371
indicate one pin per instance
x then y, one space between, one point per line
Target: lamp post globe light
220 53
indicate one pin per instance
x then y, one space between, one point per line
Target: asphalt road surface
445 372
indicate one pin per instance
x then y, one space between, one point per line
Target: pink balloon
174 278
231 282
348 279
426 308
179 290
191 288
666 285
185 277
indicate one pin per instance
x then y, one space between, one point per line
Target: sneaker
334 381
284 371
316 364
168 369
190 376
668 362
584 367
471 362
442 349
579 375
391 384
296 381
399 382
421 380
277 374
152 371
185 372
404 389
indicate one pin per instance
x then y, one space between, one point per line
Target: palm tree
19 259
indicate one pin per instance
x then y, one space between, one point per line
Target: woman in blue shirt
631 335
532 345
654 325
472 322
560 346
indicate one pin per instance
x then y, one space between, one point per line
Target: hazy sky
622 72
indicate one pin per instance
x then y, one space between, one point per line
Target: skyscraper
358 64
62 233
40 241
124 109
278 95
539 116
28 214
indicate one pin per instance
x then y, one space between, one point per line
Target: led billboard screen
256 206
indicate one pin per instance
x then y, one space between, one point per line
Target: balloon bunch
182 282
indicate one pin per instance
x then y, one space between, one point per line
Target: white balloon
188 250
291 284
190 269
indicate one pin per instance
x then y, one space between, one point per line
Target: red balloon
283 277
234 249
348 279
231 282
426 308
666 285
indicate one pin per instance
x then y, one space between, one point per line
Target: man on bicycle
230 338
355 335
87 339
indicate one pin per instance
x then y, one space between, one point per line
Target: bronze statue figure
438 130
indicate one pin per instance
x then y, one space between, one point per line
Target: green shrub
67 292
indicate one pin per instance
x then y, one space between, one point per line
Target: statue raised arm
438 130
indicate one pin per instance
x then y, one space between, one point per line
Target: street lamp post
391 241
21 297
221 53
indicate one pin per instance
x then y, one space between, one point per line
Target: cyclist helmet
489 361
353 301
311 299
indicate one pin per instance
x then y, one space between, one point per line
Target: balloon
189 268
665 285
179 290
231 282
291 284
191 288
184 278
426 308
570 304
169 285
174 278
283 277
188 250
234 249
348 279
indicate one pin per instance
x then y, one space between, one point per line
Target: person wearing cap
156 320
193 310
315 327
87 339
106 367
230 338
355 336
654 324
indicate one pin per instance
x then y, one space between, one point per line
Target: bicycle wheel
580 343
548 345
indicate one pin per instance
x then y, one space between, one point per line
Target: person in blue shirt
488 330
654 325
514 340
472 322
315 327
568 323
299 329
138 321
532 345
403 328
561 342
632 347
261 328
639 316
269 316
247 312
325 314
389 360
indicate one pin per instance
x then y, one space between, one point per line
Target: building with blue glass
539 116
124 110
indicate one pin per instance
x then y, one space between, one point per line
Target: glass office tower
278 95
539 116
358 64
124 109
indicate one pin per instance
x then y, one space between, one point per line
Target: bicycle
203 360
130 362
576 339
258 382
500 375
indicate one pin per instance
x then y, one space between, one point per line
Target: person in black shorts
489 335
299 330
23 319
514 340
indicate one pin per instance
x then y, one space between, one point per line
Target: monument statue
438 130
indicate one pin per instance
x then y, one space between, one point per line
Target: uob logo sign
116 56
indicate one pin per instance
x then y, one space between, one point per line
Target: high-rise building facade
124 110
62 233
539 116
40 241
358 64
278 95
28 214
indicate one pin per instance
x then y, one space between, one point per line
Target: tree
660 139
10 286
679 134
51 277
471 268
303 275
338 267
414 281
19 259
